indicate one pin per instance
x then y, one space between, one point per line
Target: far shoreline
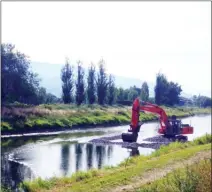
57 131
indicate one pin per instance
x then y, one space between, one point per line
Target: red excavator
169 128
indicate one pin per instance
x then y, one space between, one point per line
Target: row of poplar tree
99 88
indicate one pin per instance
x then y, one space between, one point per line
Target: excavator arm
170 128
151 108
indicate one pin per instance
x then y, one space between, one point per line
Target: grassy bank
193 178
126 173
20 119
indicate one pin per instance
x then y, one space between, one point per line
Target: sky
136 39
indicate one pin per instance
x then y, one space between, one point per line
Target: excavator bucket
129 137
134 126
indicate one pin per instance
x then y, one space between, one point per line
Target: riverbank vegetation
132 170
58 117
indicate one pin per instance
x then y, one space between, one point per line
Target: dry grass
62 111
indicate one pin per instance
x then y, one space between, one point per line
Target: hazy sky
136 39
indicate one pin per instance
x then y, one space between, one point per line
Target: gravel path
158 173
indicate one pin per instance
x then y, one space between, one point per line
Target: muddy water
25 158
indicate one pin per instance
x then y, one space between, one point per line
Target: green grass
193 178
107 178
5 189
60 116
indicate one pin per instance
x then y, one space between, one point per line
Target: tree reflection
78 152
89 152
14 173
134 152
100 154
109 151
65 158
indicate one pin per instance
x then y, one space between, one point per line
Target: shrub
80 175
203 140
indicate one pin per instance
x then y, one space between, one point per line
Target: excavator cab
174 127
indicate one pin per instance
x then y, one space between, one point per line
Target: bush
80 175
5 126
39 184
203 140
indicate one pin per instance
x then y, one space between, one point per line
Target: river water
25 158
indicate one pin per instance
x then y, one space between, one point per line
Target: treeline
21 84
201 101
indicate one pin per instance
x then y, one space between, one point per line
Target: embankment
134 172
49 118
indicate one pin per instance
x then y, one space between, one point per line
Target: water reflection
65 158
13 173
100 154
134 152
89 152
76 157
78 154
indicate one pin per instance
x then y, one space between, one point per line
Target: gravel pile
159 139
162 139
156 142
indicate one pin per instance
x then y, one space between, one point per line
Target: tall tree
161 89
80 84
133 94
194 100
206 102
101 83
120 94
91 86
126 94
19 83
173 95
42 95
203 101
67 82
166 93
111 90
144 92
50 98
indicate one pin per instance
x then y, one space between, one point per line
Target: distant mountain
50 76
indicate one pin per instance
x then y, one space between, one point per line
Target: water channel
28 157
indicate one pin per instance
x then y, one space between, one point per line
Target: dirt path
158 173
